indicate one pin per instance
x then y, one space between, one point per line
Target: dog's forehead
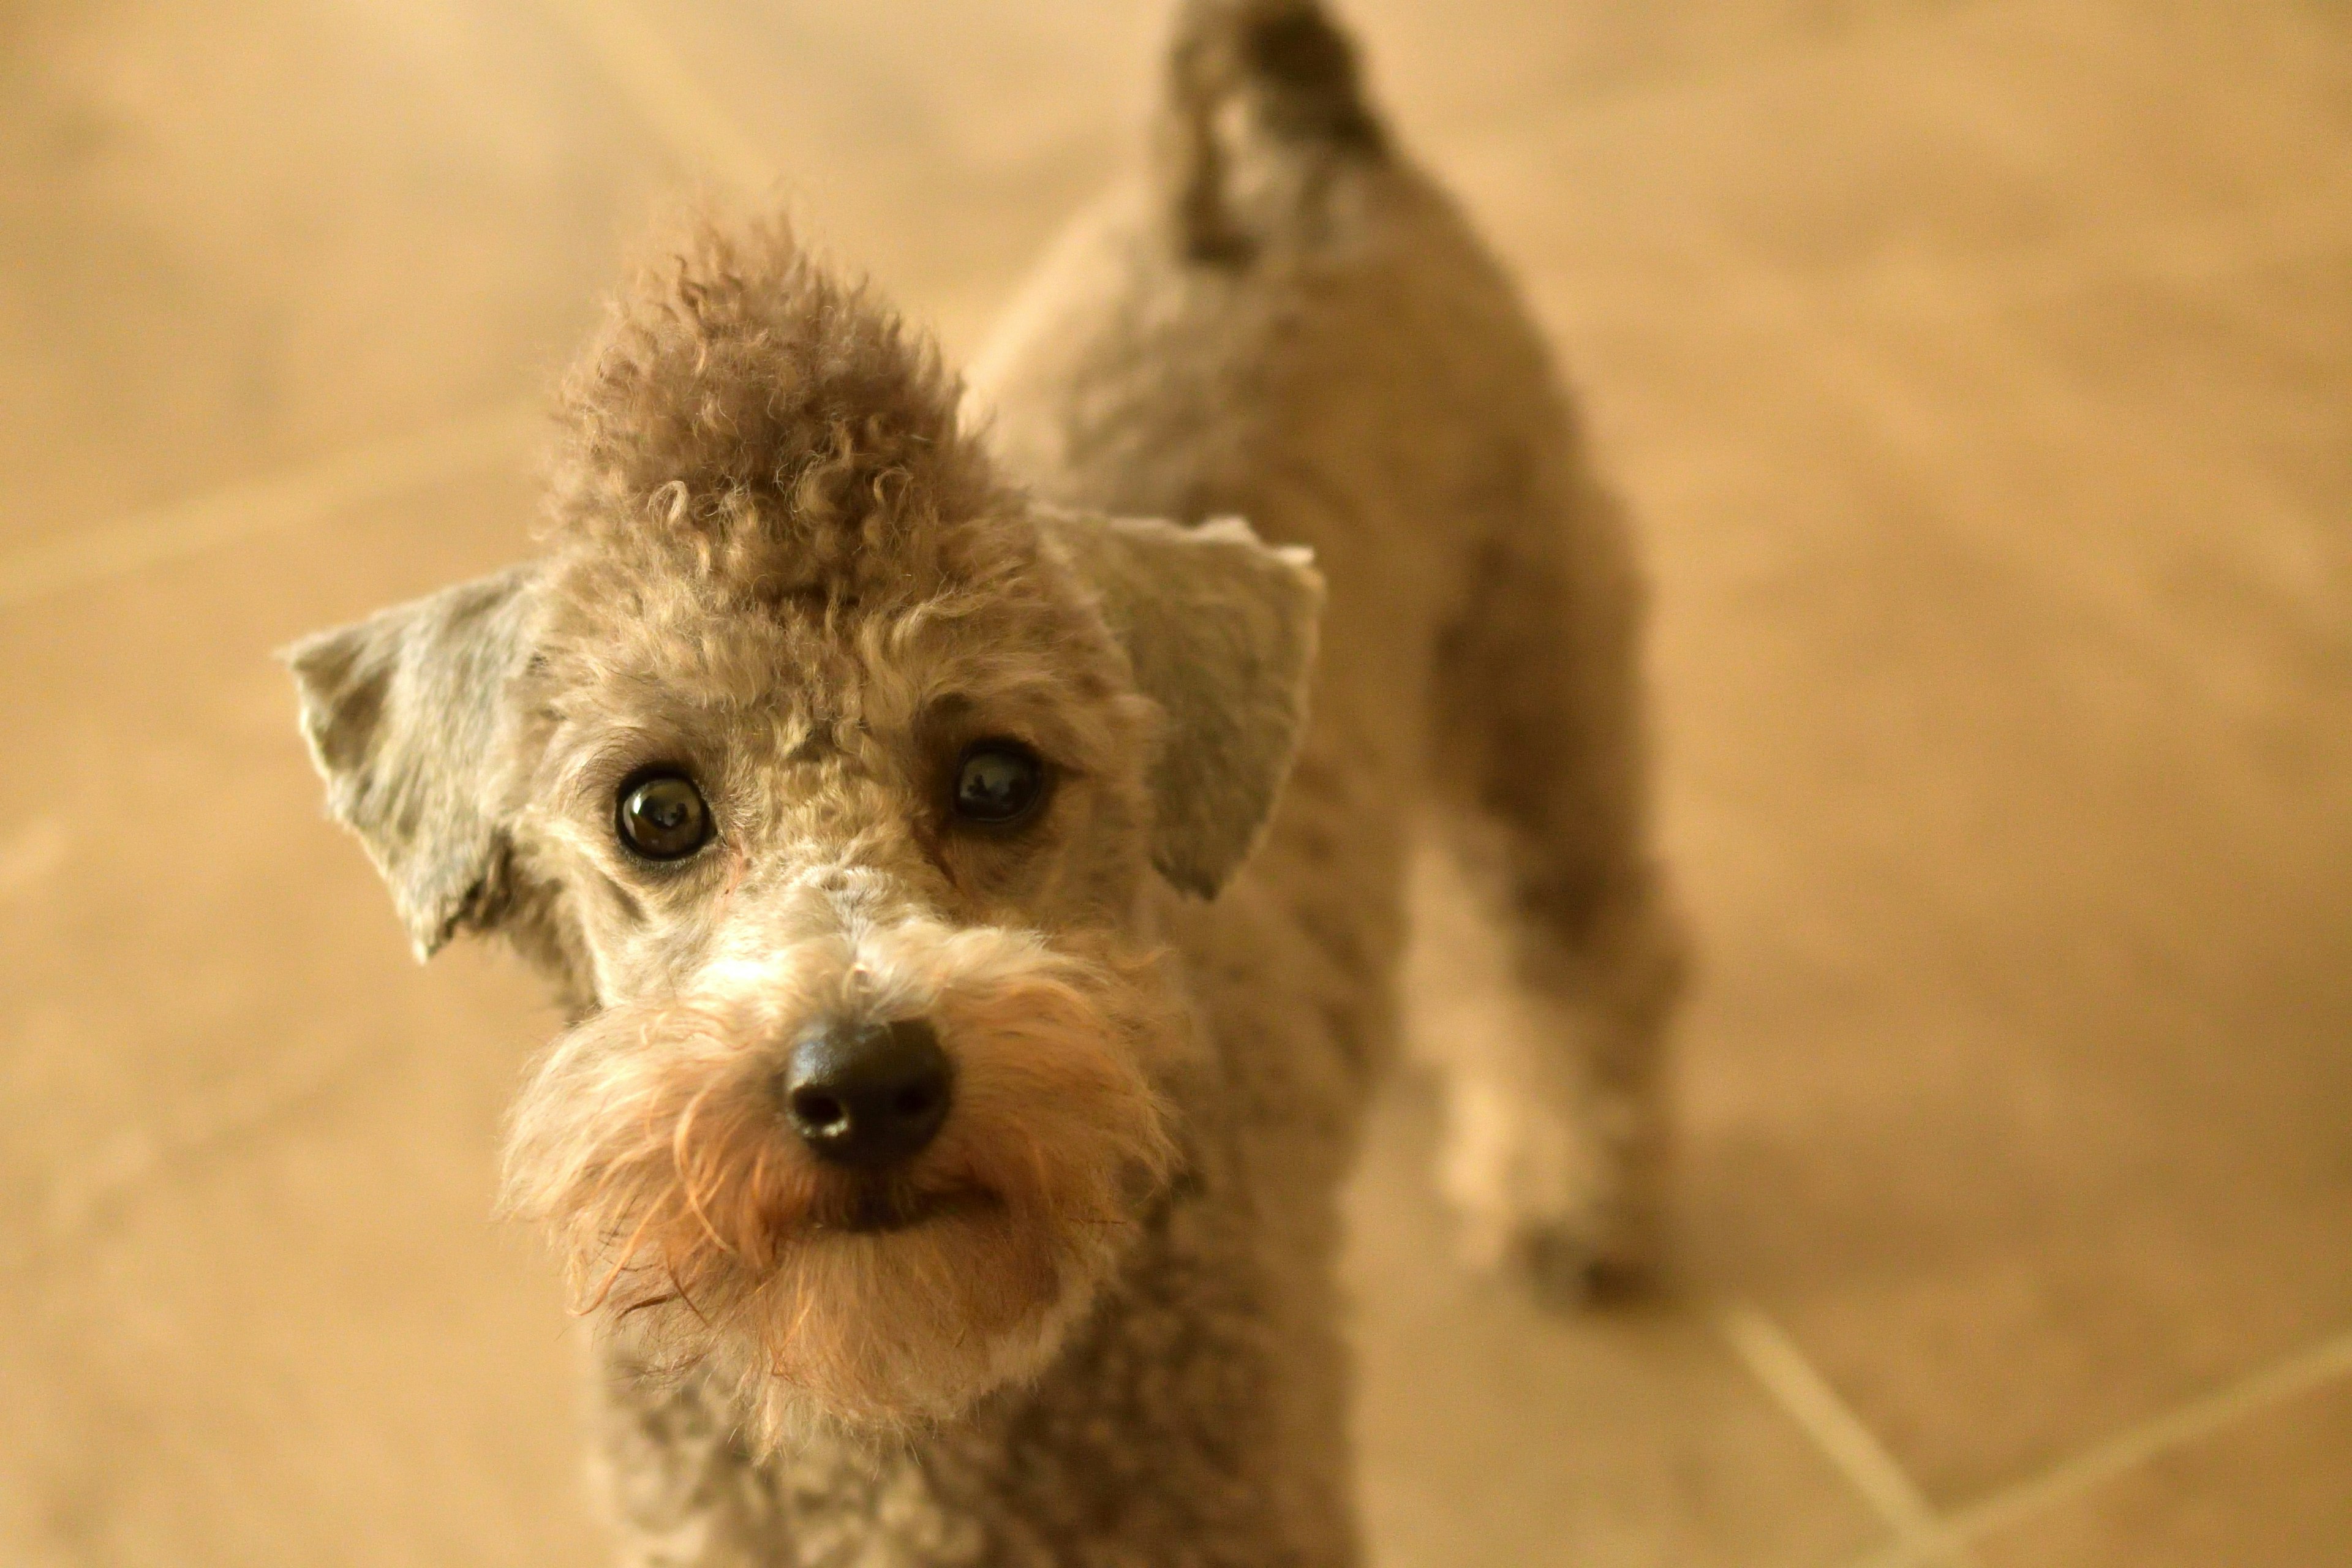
874 642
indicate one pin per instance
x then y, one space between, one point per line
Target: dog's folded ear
404 712
1220 628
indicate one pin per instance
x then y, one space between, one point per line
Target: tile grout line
638 60
1772 1358
285 500
2297 1373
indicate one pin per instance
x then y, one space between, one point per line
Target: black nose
867 1094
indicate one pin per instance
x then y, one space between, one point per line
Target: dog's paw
1568 1271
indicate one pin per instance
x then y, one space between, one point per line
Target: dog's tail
1248 80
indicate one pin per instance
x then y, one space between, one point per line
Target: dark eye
662 817
998 782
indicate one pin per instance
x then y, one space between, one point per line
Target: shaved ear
404 712
1220 630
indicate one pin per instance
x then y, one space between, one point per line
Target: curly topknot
775 423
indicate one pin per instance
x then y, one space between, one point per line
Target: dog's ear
1221 630
404 712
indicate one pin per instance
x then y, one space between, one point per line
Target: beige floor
1982 373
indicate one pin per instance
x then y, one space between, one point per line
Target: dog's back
1283 318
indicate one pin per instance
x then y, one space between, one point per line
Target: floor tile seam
1802 1392
286 501
2204 1415
2267 1387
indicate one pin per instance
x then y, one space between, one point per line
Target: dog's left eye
998 782
662 817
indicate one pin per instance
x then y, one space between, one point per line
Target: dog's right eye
662 817
998 783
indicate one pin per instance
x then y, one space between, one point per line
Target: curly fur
747 408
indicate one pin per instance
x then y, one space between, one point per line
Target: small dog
966 1052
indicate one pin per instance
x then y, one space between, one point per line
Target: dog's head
834 778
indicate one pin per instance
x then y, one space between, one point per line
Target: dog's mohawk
745 402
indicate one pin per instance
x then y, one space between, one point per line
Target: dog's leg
1548 957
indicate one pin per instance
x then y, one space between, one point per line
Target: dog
975 861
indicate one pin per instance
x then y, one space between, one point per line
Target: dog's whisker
627 1253
645 1304
689 1186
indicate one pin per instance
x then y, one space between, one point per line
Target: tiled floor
1981 371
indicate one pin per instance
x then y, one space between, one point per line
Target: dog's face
835 782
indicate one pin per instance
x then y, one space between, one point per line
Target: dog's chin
896 1312
878 1304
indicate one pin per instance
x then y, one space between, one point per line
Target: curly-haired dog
966 1051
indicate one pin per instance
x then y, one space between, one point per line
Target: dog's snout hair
652 1140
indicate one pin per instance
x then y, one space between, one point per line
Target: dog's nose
867 1094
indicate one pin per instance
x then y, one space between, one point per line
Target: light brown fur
1094 1321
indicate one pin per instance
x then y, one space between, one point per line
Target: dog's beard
691 1218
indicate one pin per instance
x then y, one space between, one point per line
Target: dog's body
1102 1326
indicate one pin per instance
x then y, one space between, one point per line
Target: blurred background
1980 372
